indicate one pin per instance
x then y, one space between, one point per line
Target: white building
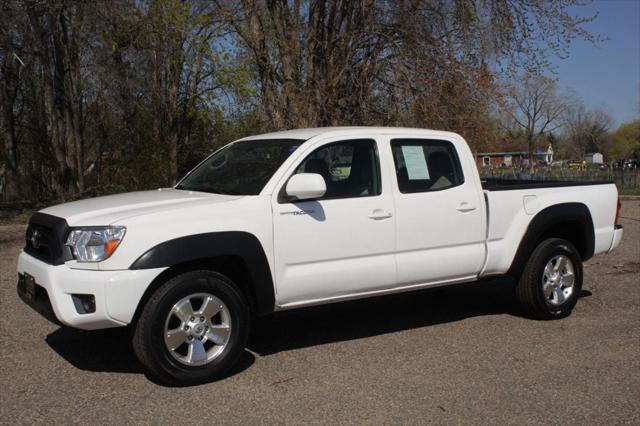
594 158
545 156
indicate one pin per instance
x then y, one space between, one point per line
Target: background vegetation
108 96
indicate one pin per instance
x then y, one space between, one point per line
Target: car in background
576 165
631 164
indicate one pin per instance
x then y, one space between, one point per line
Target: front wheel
193 329
550 284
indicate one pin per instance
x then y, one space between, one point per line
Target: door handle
379 214
465 207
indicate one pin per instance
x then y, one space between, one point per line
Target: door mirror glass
306 186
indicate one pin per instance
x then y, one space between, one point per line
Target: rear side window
350 168
426 165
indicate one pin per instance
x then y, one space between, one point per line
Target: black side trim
545 221
203 246
499 184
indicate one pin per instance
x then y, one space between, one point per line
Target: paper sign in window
415 162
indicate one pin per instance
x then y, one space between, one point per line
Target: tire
209 347
546 294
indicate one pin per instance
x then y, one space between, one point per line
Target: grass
630 191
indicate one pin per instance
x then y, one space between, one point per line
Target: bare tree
10 64
126 94
587 131
315 63
535 108
56 34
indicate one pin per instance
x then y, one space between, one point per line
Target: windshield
240 168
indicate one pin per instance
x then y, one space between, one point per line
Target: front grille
38 241
45 239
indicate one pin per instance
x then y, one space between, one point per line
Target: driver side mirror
306 186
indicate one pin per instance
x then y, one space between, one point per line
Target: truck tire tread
528 288
147 325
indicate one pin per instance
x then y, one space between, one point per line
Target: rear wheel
550 284
193 329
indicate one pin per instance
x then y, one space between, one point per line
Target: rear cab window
424 165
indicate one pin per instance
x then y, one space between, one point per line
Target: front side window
426 165
349 168
241 168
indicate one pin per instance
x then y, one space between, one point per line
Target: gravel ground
453 355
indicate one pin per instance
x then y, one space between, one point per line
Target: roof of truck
347 131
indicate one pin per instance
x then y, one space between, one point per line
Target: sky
606 76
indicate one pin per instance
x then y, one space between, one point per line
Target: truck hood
110 209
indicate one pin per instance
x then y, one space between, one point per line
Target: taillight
618 211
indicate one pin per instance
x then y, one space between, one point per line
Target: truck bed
500 184
512 204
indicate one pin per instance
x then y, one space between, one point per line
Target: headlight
95 244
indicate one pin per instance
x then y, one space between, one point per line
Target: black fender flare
198 247
547 219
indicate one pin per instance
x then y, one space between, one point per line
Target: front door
341 244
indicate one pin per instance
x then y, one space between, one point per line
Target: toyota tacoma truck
305 217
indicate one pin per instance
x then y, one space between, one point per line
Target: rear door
343 243
439 211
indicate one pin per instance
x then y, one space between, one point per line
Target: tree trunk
56 29
9 91
530 149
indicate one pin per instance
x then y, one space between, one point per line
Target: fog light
84 303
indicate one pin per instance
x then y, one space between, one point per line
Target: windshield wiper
211 190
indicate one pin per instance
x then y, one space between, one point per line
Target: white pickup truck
298 218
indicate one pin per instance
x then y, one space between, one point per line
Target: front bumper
116 293
617 237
